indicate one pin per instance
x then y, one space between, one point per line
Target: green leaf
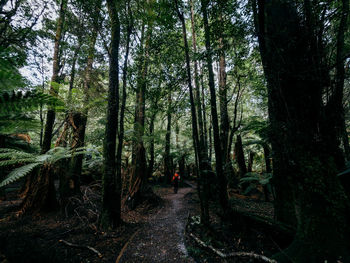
18 173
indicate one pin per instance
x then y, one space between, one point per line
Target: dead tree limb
232 254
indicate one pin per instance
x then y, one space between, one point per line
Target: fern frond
16 162
18 173
15 155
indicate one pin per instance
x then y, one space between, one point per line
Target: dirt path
162 237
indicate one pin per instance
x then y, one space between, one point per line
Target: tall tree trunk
222 181
167 160
304 152
198 102
138 183
50 117
239 153
80 118
224 118
201 162
64 174
205 126
111 189
124 95
250 162
151 150
340 76
41 194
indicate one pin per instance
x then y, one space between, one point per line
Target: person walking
175 180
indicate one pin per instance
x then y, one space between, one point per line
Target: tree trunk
239 154
111 189
205 126
224 118
267 157
64 173
222 181
196 81
80 118
201 162
138 185
122 107
250 162
41 193
302 136
338 112
151 150
167 160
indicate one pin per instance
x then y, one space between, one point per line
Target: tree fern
10 157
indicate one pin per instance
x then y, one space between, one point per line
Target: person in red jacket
175 180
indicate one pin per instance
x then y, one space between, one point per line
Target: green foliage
262 179
28 161
254 179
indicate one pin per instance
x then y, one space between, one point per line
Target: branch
125 246
80 246
233 254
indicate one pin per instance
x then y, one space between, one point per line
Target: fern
9 157
18 173
263 179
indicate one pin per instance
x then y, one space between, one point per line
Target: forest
175 131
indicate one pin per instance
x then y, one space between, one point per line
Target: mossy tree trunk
304 143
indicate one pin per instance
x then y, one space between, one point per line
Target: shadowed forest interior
174 131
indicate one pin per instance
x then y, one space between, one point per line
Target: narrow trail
162 238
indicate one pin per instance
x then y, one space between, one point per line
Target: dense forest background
247 98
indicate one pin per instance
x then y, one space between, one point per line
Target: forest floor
162 238
156 231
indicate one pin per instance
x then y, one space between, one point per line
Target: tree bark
222 181
138 185
202 164
239 154
198 102
167 160
80 118
340 76
111 190
250 162
151 150
124 94
302 136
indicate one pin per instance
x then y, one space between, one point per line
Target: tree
201 162
222 181
306 156
41 192
111 186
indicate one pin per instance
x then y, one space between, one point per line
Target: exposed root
232 254
80 246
